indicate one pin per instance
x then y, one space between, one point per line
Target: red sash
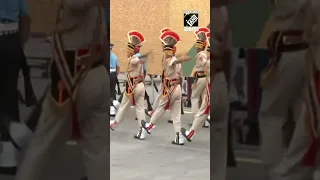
207 111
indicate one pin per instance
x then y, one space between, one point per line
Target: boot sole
177 143
143 123
136 137
183 132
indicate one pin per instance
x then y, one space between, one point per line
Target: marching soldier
199 75
180 73
171 93
219 109
158 97
302 157
77 104
284 83
179 69
218 105
135 89
146 96
204 110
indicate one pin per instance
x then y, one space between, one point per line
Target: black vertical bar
108 69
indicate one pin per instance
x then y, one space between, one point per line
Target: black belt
276 43
135 81
202 76
277 46
171 82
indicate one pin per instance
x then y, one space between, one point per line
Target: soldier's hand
183 57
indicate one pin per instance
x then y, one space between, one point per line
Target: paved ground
152 159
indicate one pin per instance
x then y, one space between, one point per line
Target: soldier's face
168 54
129 52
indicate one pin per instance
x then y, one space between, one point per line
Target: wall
149 17
247 21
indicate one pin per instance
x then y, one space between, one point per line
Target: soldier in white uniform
302 157
159 95
171 93
180 73
135 89
219 110
204 110
199 75
79 97
284 85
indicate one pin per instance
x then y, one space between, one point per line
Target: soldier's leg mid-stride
171 92
284 82
135 90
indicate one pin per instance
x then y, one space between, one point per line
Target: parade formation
80 97
170 94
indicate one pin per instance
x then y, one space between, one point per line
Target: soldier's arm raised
136 60
179 59
142 59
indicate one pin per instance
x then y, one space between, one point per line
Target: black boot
178 139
